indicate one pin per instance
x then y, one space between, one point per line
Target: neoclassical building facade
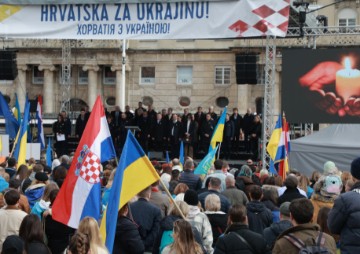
166 73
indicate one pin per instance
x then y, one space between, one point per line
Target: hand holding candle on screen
347 81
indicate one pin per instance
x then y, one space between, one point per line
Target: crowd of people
163 131
231 210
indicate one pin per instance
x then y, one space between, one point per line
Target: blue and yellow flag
217 136
16 111
133 174
11 123
206 163
279 147
20 147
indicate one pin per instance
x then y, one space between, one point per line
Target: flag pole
173 201
218 151
15 143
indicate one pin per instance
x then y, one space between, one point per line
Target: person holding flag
80 194
279 147
126 184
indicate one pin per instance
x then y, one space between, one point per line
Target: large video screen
321 86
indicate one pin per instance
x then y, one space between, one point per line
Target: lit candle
348 81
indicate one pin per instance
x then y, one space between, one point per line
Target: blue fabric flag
181 156
11 123
206 163
48 154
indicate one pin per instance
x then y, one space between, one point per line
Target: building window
222 75
184 75
222 102
110 101
347 19
109 77
184 101
37 76
83 77
147 75
147 100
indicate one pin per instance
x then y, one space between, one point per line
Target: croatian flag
80 195
40 135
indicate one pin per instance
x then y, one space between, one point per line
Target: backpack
309 249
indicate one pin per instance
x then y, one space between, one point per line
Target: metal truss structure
65 85
268 115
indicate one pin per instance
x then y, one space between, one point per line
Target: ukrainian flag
21 141
133 174
279 146
219 131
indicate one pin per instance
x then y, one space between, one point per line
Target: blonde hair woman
184 241
90 227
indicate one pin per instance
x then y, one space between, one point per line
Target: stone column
243 98
49 87
21 85
92 83
119 88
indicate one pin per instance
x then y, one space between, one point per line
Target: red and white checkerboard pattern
90 169
262 18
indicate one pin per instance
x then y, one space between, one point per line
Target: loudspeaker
8 68
33 106
246 69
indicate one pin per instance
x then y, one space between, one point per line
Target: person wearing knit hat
35 191
244 180
344 217
330 168
272 232
199 220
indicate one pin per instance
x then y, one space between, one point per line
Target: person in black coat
237 120
344 217
81 122
259 216
145 124
213 115
147 216
207 129
190 135
58 235
291 192
174 136
122 130
59 130
127 236
238 238
116 115
158 135
255 136
248 121
228 137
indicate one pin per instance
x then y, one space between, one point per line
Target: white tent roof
339 143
